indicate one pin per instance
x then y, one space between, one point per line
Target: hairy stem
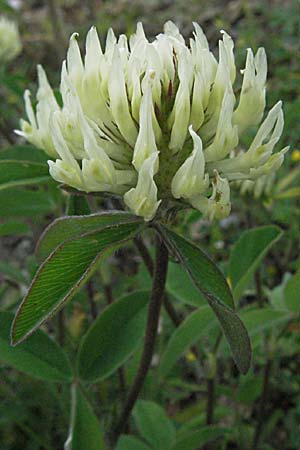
150 267
158 285
144 254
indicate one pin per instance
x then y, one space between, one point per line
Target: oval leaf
188 332
154 425
131 443
117 332
85 430
197 439
22 173
212 284
12 227
180 286
25 203
39 356
257 320
205 274
63 272
292 293
236 335
261 319
247 253
24 153
72 226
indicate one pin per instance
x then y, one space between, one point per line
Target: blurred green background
34 415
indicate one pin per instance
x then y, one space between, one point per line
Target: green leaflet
212 284
85 431
39 356
72 226
117 331
63 272
247 253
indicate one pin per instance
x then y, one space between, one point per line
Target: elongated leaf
248 253
195 440
71 226
293 192
213 286
258 320
188 332
154 425
205 274
249 388
113 337
287 180
131 443
39 356
261 319
276 295
21 203
181 287
236 335
63 272
292 293
85 431
24 153
12 227
21 173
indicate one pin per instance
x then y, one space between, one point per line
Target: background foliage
194 396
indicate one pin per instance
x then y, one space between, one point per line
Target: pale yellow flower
10 43
158 122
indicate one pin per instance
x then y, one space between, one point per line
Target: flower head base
10 43
156 121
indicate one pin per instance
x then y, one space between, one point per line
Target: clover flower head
10 43
156 122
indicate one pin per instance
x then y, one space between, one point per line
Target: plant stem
258 286
150 267
144 254
262 403
210 401
158 285
93 306
211 385
267 370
